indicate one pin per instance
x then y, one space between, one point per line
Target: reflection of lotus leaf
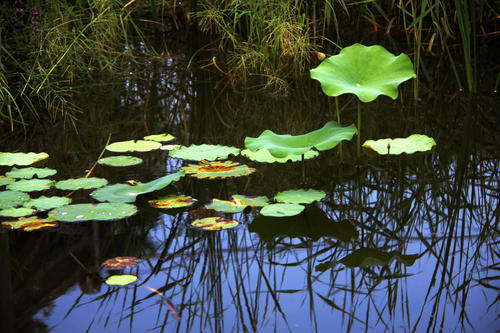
21 158
300 196
263 155
16 212
119 161
120 262
28 173
412 144
131 145
251 201
159 137
45 203
12 198
97 212
80 183
172 201
6 180
226 206
281 146
31 223
218 169
366 71
30 185
214 223
204 152
121 280
282 210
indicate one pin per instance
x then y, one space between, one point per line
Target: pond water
268 275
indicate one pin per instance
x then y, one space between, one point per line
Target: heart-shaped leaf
45 203
31 185
80 183
94 212
131 145
226 206
204 152
16 212
21 158
412 144
28 173
10 199
120 161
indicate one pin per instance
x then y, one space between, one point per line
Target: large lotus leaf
81 183
282 210
214 223
6 180
120 262
412 144
94 212
10 199
31 185
172 201
121 280
28 173
130 146
300 196
281 146
370 257
263 155
16 212
226 206
204 152
260 201
129 193
120 161
45 203
32 223
217 169
366 71
21 158
159 137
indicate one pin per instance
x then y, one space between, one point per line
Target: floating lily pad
32 223
6 180
121 280
46 203
218 169
284 145
251 201
81 183
28 173
94 212
120 161
10 199
130 146
16 212
412 144
300 196
214 223
281 210
172 201
31 185
159 137
366 71
120 262
21 158
263 155
170 147
226 206
129 193
204 152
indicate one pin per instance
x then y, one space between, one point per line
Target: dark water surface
263 275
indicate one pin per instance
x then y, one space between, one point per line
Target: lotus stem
359 129
338 121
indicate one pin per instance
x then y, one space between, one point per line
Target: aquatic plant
132 145
121 280
81 183
214 223
300 196
11 159
204 152
282 209
32 223
218 169
164 137
172 201
45 203
28 173
412 144
264 156
226 206
120 161
93 212
120 262
30 185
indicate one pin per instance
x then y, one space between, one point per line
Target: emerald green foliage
120 161
28 173
16 212
6 180
226 206
263 155
282 210
45 203
80 183
10 199
30 185
93 212
132 145
300 196
121 280
204 152
11 159
410 145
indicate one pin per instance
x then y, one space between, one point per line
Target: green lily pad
282 210
300 196
204 152
120 262
16 212
260 201
226 206
159 137
281 146
214 223
217 169
81 183
28 173
172 201
120 161
129 193
94 212
412 144
10 199
121 280
264 156
32 223
366 71
10 159
6 180
170 147
46 203
131 145
31 185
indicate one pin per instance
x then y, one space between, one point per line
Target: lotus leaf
214 223
30 185
204 152
119 161
16 212
281 146
412 144
130 146
6 180
32 223
129 193
159 137
218 169
264 156
120 262
28 173
300 196
81 183
121 280
21 158
10 199
226 206
251 201
282 210
172 201
96 212
366 71
170 147
45 203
